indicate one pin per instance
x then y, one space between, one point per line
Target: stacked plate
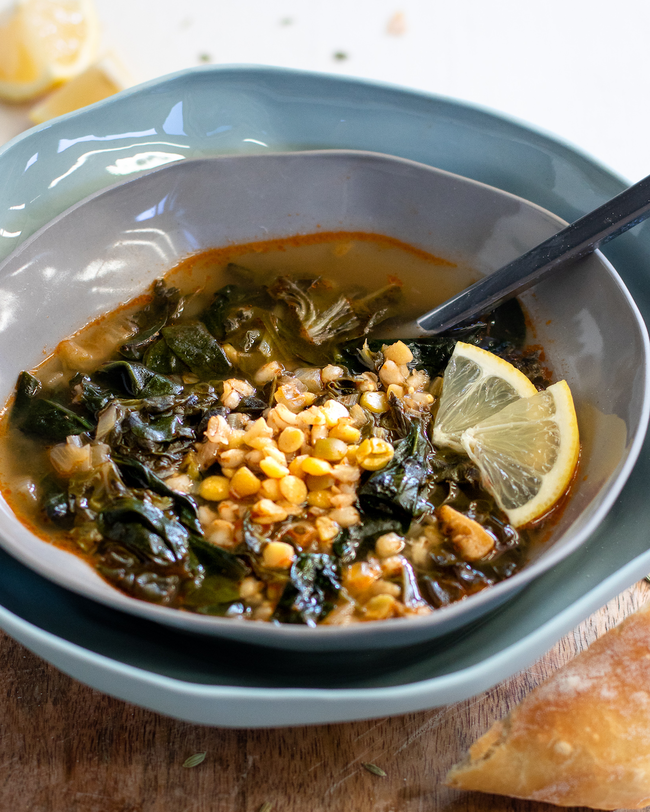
233 110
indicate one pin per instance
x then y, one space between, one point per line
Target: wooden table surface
65 747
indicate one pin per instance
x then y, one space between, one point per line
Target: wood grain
67 748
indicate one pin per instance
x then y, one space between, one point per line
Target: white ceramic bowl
104 251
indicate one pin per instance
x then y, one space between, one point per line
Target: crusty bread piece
582 738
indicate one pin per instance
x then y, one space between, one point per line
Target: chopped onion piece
107 420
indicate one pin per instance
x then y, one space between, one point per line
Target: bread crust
582 738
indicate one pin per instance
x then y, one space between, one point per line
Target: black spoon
583 236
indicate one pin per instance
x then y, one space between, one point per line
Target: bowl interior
108 248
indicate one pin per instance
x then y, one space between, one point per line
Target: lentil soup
236 443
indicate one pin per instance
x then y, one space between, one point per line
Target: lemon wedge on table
476 384
44 43
527 452
101 80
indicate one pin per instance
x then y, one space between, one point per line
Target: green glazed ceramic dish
237 110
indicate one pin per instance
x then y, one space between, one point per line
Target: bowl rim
252 71
289 634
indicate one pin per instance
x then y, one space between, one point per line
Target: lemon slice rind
476 384
527 452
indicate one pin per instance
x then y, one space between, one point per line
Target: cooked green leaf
51 421
27 387
91 394
233 308
166 304
160 358
213 596
357 539
137 381
55 502
197 348
217 561
137 475
145 529
310 594
395 491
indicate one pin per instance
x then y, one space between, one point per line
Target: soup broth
237 443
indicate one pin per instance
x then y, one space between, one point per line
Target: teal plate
218 110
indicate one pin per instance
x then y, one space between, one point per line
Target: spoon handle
576 240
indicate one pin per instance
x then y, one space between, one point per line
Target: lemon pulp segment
476 384
527 452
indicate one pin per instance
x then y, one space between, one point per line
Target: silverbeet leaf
42 417
252 406
141 526
224 300
91 394
233 307
311 591
396 490
160 358
158 432
137 475
56 503
316 317
51 421
318 320
137 381
353 541
27 387
323 317
135 349
146 586
163 428
197 348
213 596
166 305
138 538
217 561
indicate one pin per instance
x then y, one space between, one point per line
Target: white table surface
576 69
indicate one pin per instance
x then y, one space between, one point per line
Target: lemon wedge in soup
476 384
527 452
524 443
